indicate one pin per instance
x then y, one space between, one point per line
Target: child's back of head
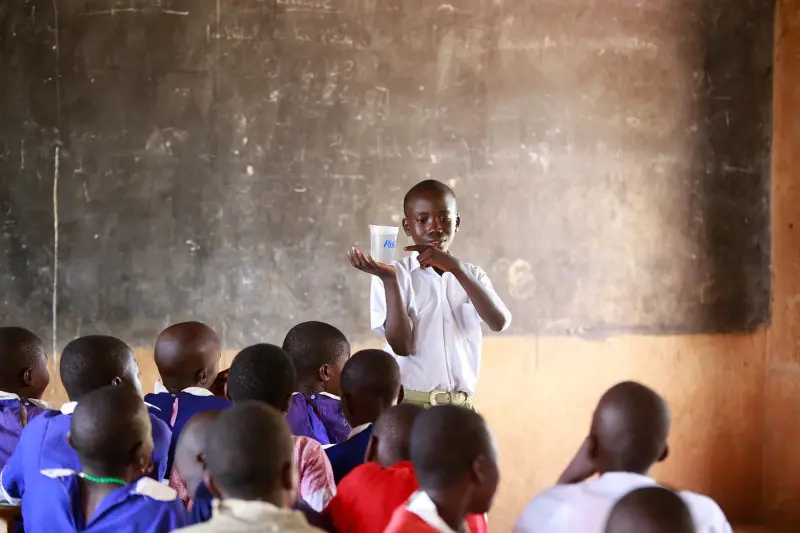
23 363
249 455
187 355
650 510
391 438
319 352
264 373
453 453
190 451
92 362
370 385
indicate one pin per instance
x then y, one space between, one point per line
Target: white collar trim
33 401
69 407
323 393
159 388
146 486
421 505
358 429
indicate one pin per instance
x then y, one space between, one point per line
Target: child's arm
488 305
399 333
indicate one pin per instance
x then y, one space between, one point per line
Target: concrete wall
735 398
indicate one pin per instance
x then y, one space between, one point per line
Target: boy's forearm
487 304
399 334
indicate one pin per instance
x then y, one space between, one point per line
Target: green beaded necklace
102 480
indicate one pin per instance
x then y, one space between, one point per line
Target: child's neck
93 494
309 388
451 506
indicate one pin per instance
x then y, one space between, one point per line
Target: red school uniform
368 496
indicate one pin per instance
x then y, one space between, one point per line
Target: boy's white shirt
446 327
585 506
422 505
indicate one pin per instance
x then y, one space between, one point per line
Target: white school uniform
584 507
445 323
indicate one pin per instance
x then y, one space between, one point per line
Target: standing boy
109 492
455 461
87 364
319 352
23 379
429 305
370 385
251 471
628 435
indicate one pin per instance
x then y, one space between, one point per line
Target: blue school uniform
201 504
54 503
176 409
318 417
15 414
349 454
43 445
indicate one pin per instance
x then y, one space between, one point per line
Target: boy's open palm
365 263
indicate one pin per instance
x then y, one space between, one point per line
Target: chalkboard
214 159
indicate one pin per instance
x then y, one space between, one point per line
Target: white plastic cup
383 240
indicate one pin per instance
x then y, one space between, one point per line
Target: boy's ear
201 376
227 392
201 458
371 455
324 373
116 381
211 486
401 395
285 405
27 376
406 227
458 222
665 453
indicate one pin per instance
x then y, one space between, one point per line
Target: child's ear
324 373
458 222
401 395
211 486
27 377
371 455
665 453
116 381
286 404
406 227
201 458
201 376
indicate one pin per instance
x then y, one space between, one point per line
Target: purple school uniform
43 445
176 409
318 417
14 416
144 506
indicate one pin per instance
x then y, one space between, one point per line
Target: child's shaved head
630 427
23 363
370 384
249 455
319 352
91 362
650 510
111 432
262 372
453 451
391 437
191 447
187 355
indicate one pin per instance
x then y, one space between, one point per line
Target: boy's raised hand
430 256
365 263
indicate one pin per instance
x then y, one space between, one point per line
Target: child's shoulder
154 491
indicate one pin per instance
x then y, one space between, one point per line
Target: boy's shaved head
453 451
427 187
263 372
319 352
370 384
391 436
249 454
23 363
111 432
92 362
650 510
191 446
187 354
630 427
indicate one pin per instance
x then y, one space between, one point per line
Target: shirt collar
250 511
69 407
358 429
159 388
328 394
413 262
144 487
421 505
33 401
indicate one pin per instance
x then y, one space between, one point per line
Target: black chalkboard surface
163 160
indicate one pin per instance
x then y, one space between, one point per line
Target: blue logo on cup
388 244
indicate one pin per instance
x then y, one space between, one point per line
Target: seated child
366 497
628 435
265 373
187 356
370 385
650 510
455 459
111 433
190 455
319 352
87 364
250 470
23 379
